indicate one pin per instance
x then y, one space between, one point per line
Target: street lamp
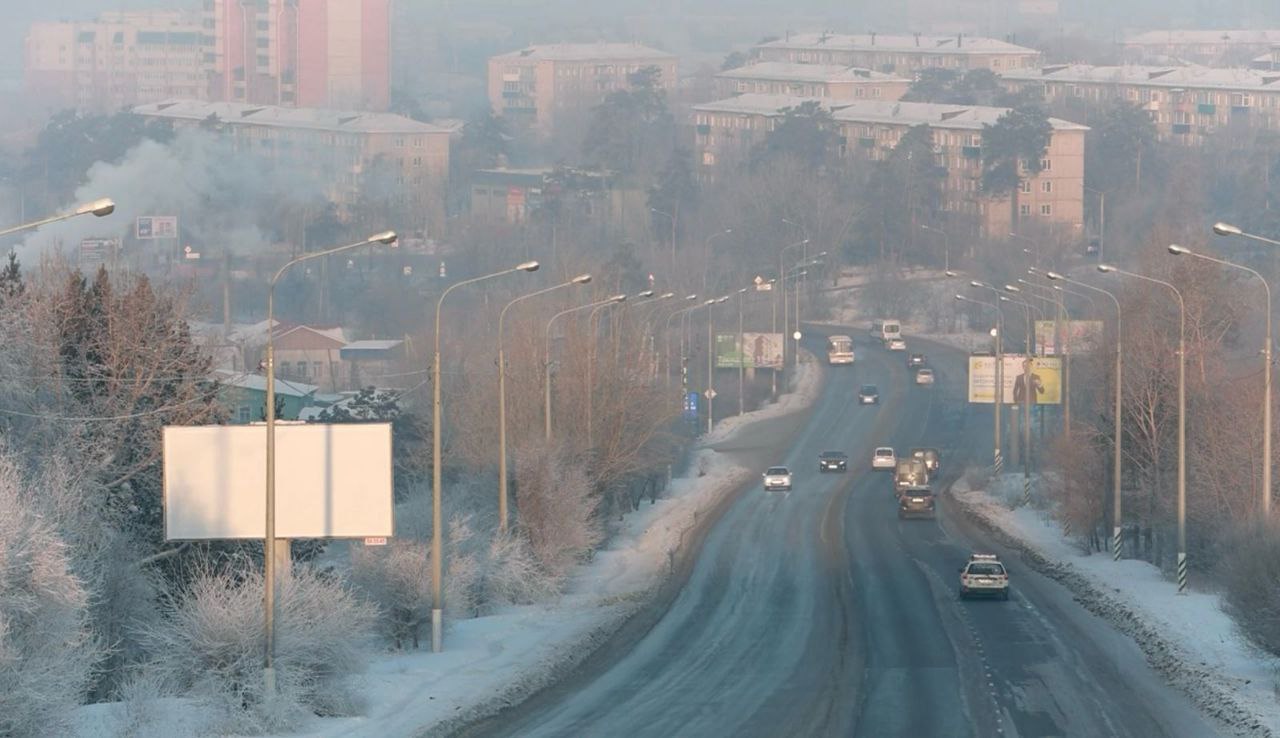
502 395
782 271
547 355
667 332
998 399
98 208
1177 250
1060 346
999 403
946 244
706 253
1102 221
1033 242
269 532
672 218
742 357
1182 416
437 517
1028 391
711 372
591 359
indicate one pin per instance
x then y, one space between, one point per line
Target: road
819 613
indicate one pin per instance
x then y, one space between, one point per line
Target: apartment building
727 130
1226 47
897 54
811 80
343 149
318 53
1185 102
115 62
535 85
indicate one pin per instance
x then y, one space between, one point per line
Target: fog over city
698 367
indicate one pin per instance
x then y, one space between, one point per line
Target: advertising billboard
332 481
95 251
764 351
1078 336
157 226
1046 379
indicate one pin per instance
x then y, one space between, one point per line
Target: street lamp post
706 253
1102 222
711 372
998 399
269 532
502 395
742 357
591 354
1182 416
1118 431
782 271
98 208
1028 394
672 218
1266 372
1061 345
946 245
1226 229
546 399
437 517
667 333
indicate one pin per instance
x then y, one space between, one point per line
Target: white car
983 574
884 458
924 376
896 344
777 477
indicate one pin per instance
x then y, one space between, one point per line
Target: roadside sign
376 541
691 406
156 226
711 394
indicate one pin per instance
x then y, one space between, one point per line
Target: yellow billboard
1045 379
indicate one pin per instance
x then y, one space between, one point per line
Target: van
890 329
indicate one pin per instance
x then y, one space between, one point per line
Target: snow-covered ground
1186 637
501 658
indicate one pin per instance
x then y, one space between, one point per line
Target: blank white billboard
332 481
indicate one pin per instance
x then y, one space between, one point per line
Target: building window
1046 165
417 161
1046 186
1024 187
302 369
1046 210
1024 209
316 368
244 414
708 159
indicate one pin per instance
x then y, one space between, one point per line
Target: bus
839 350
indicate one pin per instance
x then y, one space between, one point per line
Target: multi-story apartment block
728 130
897 54
811 80
319 53
1186 103
116 61
535 85
343 150
1228 47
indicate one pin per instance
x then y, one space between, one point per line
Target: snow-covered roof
793 72
585 52
258 383
1193 76
319 119
373 345
937 115
762 104
1193 36
922 44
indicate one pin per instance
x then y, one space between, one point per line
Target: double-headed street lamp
706 253
1060 341
946 245
1028 388
98 208
1118 431
998 398
782 273
591 360
547 356
269 533
711 356
667 333
502 395
437 517
1182 415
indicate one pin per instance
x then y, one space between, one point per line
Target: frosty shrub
555 508
210 646
513 573
1250 577
397 577
47 652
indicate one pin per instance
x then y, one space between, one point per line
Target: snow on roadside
495 661
1187 638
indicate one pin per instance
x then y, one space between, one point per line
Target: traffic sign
711 394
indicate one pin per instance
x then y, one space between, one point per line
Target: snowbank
491 662
1187 638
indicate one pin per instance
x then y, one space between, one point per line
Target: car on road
884 458
909 471
984 575
896 344
777 477
837 461
932 459
868 394
916 502
924 376
915 360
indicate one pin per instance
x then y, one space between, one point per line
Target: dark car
916 502
869 394
837 461
915 360
932 459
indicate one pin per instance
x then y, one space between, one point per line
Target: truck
909 472
839 350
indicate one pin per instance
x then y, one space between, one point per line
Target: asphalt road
819 613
